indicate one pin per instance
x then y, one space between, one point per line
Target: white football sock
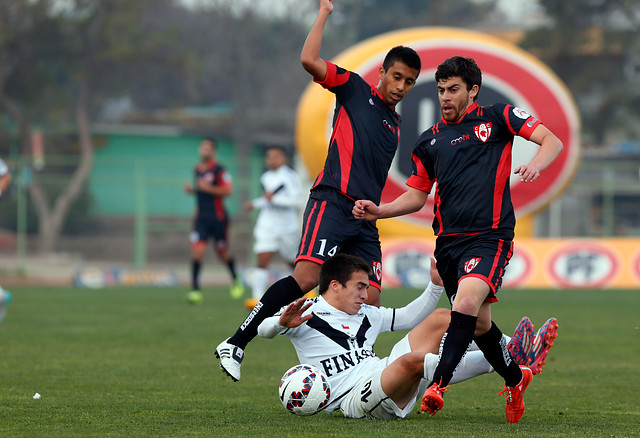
259 282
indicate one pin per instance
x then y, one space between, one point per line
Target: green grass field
138 362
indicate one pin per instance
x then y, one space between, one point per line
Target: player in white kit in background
277 228
5 180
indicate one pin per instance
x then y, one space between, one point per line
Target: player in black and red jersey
467 155
366 130
212 185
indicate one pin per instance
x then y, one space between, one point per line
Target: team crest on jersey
471 264
377 270
483 131
520 113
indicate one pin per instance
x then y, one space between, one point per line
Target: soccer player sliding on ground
336 333
467 155
365 137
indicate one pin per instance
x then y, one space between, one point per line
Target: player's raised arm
409 202
550 148
310 56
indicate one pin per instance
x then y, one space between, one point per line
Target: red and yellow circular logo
510 75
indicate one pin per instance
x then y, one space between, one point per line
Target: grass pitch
139 362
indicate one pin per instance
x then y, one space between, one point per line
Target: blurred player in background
364 140
212 185
277 227
468 155
5 180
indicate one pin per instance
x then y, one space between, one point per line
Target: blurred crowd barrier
536 263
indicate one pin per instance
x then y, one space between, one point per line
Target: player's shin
281 293
454 345
494 347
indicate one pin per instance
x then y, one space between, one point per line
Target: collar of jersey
323 303
208 164
383 101
469 110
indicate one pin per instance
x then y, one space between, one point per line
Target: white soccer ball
304 390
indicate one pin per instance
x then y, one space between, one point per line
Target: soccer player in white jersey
5 180
277 227
336 332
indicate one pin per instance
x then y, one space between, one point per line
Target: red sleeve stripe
527 130
502 179
506 119
333 79
421 181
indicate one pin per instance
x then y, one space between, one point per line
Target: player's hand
248 206
435 275
528 173
327 5
292 315
188 189
366 210
268 196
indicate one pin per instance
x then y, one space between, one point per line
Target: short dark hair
466 68
340 267
278 147
405 55
211 140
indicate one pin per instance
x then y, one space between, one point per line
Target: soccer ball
304 390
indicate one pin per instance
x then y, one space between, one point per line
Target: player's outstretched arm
409 202
310 56
292 315
550 148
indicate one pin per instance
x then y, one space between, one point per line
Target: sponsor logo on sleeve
520 113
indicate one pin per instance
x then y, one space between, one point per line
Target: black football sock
231 264
195 274
281 293
494 347
454 346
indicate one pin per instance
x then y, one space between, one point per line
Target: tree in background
594 47
59 60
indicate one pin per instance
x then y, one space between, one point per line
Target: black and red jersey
470 162
365 137
216 175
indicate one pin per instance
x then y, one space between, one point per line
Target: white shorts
367 399
273 240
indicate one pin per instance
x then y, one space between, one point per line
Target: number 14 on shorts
323 247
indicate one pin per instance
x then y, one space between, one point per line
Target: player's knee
482 327
412 364
441 318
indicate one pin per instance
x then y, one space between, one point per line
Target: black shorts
484 256
210 227
329 228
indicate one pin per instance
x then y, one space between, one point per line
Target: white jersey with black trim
4 169
340 344
283 209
